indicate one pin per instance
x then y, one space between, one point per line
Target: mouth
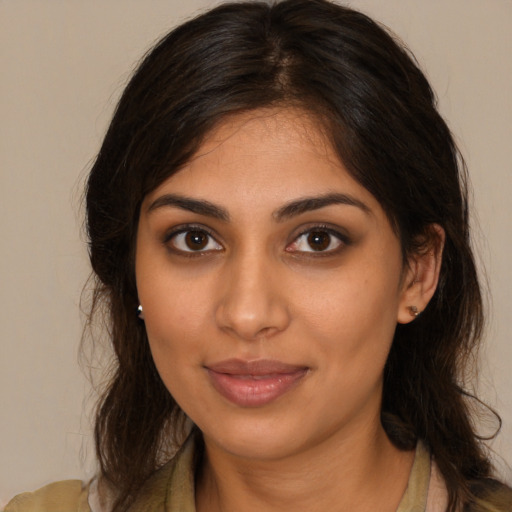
254 383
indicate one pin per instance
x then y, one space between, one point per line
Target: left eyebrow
308 204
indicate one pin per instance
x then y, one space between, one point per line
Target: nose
252 304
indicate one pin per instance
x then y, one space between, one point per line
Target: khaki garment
65 496
171 489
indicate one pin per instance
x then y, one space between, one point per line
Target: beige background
63 65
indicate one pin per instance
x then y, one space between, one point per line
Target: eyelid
335 232
184 228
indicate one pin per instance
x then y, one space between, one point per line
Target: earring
140 311
413 310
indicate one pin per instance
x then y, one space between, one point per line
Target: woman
278 225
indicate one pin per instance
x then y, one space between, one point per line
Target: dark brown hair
380 114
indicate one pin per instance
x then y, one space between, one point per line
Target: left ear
421 275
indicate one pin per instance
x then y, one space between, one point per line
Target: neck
357 473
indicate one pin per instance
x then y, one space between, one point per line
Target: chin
254 446
266 438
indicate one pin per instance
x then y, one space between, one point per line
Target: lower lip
254 391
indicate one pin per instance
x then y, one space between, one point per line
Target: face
271 283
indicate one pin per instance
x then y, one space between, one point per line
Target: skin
256 287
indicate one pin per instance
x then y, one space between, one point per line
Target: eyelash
183 230
324 229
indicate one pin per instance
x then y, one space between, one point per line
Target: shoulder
171 488
488 495
491 496
64 496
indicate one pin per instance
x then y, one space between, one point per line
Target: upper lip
256 367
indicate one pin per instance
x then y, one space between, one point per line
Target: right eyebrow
198 206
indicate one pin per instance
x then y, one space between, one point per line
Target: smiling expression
271 283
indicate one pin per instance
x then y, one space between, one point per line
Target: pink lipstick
254 383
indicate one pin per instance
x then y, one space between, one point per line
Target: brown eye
196 240
319 240
193 240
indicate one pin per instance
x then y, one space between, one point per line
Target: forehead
270 152
268 129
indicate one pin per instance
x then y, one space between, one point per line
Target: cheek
174 315
174 348
174 320
360 299
352 320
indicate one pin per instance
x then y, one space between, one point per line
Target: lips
254 383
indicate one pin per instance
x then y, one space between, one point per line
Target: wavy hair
377 108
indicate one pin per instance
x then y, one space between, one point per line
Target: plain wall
63 66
